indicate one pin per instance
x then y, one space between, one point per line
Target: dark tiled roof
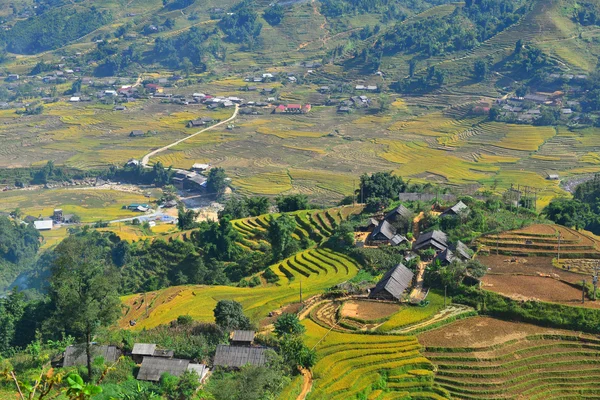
455 209
243 336
75 354
395 282
163 353
143 349
153 367
397 240
462 250
238 356
437 239
445 257
399 211
385 229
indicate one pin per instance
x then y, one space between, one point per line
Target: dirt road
146 158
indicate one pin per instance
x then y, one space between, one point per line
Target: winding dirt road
146 158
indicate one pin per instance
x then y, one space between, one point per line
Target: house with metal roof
462 251
393 284
369 226
457 209
142 349
436 240
237 356
382 233
242 338
153 368
44 225
76 355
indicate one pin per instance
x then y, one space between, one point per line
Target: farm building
457 209
436 240
200 167
44 225
136 133
242 338
75 354
195 123
553 177
154 367
238 356
462 251
369 226
393 284
383 232
141 350
400 217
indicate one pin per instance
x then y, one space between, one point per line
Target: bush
185 320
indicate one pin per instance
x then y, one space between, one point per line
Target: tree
217 181
494 113
288 324
12 309
234 208
257 205
229 315
280 236
274 14
83 289
480 69
295 353
186 219
342 236
293 202
383 185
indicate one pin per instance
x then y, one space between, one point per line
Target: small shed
458 208
238 356
44 225
242 338
142 349
154 367
75 354
393 284
553 177
136 133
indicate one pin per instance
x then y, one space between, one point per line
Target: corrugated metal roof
143 349
384 229
395 282
243 336
75 354
399 211
153 367
463 250
238 356
437 239
200 369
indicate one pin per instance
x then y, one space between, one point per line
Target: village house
136 133
154 88
141 350
75 355
242 338
393 284
458 209
235 357
12 77
43 225
436 240
153 368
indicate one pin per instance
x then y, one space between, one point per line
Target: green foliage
381 185
186 219
53 29
571 213
185 320
229 315
237 208
280 236
295 353
288 324
190 45
83 288
77 389
19 244
480 70
274 14
216 182
241 25
291 203
12 309
342 237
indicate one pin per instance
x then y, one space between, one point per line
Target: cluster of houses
292 109
528 108
155 362
395 282
354 102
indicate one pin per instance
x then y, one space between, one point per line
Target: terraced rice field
543 240
315 225
317 269
373 366
483 358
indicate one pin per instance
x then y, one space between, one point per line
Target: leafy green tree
257 205
83 289
570 213
186 219
480 70
295 353
274 14
229 315
217 181
293 202
342 236
288 324
383 185
12 309
280 236
234 208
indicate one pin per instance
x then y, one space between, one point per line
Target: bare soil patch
480 332
293 308
532 266
368 310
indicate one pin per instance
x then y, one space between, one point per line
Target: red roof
306 107
152 86
280 107
294 106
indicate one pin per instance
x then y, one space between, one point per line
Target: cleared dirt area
481 332
533 266
368 310
536 288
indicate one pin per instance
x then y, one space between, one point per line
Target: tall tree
229 315
83 288
280 236
217 181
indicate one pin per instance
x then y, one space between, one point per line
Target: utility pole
583 292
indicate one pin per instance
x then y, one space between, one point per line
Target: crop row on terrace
377 366
543 240
315 225
315 270
534 366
